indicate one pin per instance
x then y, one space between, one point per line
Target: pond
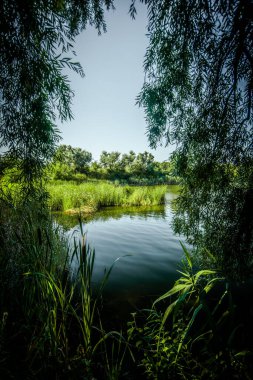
149 251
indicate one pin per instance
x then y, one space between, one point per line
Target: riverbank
54 324
89 197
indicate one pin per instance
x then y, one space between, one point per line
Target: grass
48 311
51 322
89 197
198 331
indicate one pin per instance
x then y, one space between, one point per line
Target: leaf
219 302
196 311
184 274
204 272
183 280
210 255
187 255
173 307
244 353
180 300
174 290
108 272
232 335
202 336
168 311
212 283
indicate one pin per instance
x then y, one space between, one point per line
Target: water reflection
143 238
70 221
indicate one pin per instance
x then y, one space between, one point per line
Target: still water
149 251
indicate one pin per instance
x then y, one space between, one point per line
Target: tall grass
60 307
49 324
198 334
48 312
93 196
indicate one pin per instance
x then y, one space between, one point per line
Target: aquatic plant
196 336
49 312
89 197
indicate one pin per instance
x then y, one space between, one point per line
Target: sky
105 114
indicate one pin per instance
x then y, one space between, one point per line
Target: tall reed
47 308
93 196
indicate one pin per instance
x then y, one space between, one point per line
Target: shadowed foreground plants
116 349
51 320
63 308
48 309
199 335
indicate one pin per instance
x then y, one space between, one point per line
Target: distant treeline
133 168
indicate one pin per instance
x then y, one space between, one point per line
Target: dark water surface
143 234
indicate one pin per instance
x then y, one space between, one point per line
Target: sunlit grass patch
93 196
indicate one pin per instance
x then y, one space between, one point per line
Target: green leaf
204 272
184 274
187 255
210 255
174 290
196 311
212 283
168 311
203 336
244 353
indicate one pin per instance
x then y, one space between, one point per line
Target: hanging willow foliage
198 94
36 44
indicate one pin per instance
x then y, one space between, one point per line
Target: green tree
95 170
64 154
144 164
127 160
111 163
82 160
36 44
198 94
69 161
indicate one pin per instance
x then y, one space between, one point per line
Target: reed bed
91 197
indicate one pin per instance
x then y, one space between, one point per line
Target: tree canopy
198 94
71 163
36 39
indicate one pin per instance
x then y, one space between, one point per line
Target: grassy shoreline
89 197
54 325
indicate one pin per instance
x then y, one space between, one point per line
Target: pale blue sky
105 114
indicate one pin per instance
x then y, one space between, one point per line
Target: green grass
194 333
50 323
51 320
93 196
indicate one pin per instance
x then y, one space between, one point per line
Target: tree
127 160
110 161
64 154
82 160
36 39
69 161
198 94
143 164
